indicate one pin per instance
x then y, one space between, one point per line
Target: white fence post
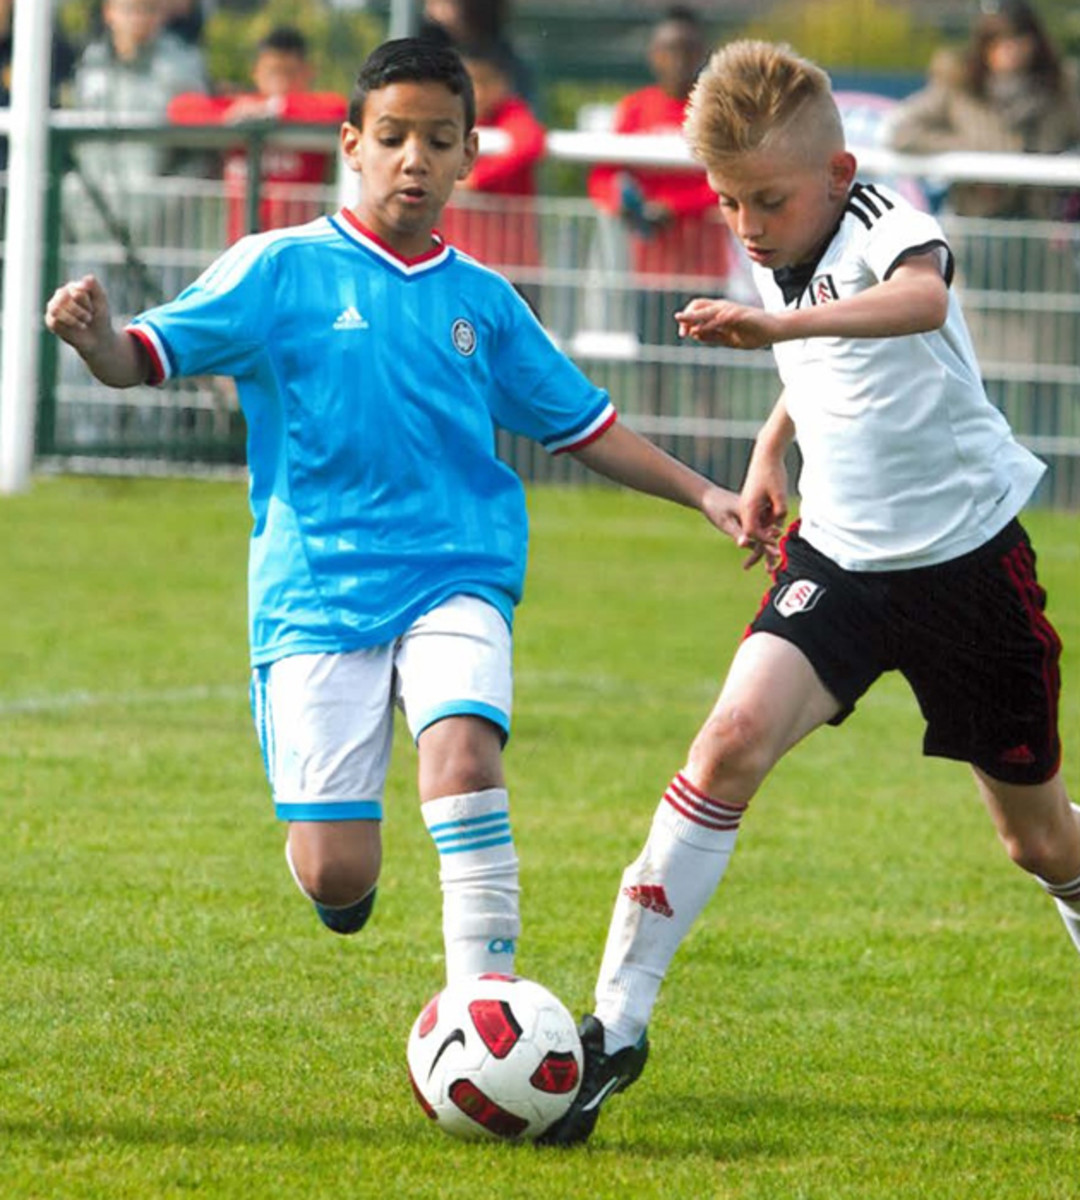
23 241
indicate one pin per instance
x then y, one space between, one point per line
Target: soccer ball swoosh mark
457 1036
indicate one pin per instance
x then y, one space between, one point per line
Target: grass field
875 1004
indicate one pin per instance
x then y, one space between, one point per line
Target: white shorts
326 721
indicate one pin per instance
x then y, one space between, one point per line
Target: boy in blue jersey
373 363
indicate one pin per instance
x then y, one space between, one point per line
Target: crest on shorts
463 335
823 289
797 597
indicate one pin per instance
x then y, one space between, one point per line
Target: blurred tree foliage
862 35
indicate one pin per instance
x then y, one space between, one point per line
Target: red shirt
284 170
507 235
696 242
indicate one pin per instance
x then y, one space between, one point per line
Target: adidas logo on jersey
350 318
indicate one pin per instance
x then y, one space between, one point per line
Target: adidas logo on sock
651 897
350 318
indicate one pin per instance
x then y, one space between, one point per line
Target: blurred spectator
62 66
186 19
283 76
501 232
114 195
672 214
1008 91
133 70
471 23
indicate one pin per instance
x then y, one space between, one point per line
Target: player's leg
336 865
455 681
813 649
984 661
325 723
1040 830
771 699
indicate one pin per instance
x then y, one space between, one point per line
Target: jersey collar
347 223
792 281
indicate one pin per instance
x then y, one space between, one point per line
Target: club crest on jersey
797 597
823 290
463 335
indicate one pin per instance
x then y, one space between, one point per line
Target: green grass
875 1004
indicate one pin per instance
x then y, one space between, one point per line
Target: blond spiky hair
755 96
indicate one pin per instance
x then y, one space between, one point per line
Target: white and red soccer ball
496 1057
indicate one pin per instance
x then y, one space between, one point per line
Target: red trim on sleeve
612 418
157 367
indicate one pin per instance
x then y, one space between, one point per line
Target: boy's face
410 152
278 73
780 210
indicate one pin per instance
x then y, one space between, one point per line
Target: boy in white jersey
908 555
388 549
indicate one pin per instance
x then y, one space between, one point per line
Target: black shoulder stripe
868 189
867 203
925 248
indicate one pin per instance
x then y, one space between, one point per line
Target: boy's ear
842 167
472 152
350 145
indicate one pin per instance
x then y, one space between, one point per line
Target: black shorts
971 637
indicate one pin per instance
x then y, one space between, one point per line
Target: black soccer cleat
603 1076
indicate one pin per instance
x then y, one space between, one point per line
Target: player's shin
478 871
661 894
1067 898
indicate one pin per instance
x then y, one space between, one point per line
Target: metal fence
583 273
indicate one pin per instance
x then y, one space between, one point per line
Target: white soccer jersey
906 462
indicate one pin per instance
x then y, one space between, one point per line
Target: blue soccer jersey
372 386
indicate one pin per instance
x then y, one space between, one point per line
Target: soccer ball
495 1057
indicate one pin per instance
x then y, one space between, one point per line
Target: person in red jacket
282 74
494 218
675 225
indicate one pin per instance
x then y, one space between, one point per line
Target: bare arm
78 313
763 506
914 299
626 457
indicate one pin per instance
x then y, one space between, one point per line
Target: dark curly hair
412 60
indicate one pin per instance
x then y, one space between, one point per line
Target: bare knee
1036 824
1042 850
732 754
335 863
459 754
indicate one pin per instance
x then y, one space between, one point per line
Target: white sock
661 894
478 870
1067 898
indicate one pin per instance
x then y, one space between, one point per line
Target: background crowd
1010 87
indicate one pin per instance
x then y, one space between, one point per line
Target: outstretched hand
724 509
724 323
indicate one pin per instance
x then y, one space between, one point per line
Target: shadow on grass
729 1129
734 1129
